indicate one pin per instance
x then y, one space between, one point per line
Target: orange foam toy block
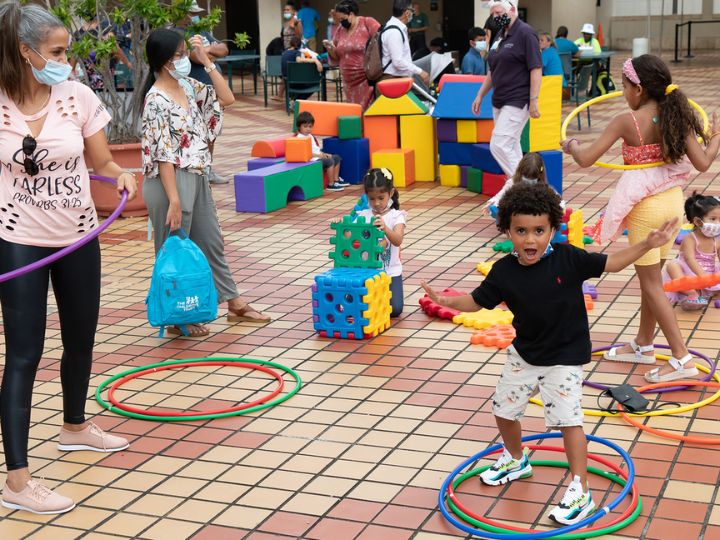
589 304
484 130
298 150
500 336
382 132
269 148
687 283
326 114
459 77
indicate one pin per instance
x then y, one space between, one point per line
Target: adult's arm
535 82
96 147
393 41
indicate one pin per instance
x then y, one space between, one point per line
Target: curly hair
533 200
698 206
676 117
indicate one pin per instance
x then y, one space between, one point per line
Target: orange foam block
484 130
326 114
500 336
269 148
298 150
382 131
589 304
394 88
687 283
459 77
400 162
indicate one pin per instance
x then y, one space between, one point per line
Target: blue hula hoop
544 534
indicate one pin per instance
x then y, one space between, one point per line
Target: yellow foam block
484 267
401 163
545 131
385 106
575 229
417 133
467 131
450 175
485 318
378 301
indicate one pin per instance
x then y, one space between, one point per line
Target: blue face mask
53 72
182 68
195 19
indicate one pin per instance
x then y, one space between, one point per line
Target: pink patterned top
638 184
350 48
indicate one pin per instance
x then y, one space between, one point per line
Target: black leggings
76 284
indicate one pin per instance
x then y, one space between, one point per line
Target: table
242 60
597 60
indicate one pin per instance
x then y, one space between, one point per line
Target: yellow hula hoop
659 412
599 99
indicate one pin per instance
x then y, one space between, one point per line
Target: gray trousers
199 221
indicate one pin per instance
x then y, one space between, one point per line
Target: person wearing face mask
331 26
291 26
181 118
49 124
347 50
396 55
588 41
515 74
473 62
699 252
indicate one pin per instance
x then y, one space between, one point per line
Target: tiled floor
362 449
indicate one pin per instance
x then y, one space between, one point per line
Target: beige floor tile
375 491
155 505
126 524
261 497
305 503
242 517
198 511
689 491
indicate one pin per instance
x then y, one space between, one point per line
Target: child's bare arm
461 303
394 235
700 157
588 154
625 257
688 250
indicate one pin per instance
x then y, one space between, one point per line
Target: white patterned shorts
560 388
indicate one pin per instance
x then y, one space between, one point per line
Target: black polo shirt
547 302
510 61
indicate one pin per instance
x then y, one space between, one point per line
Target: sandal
636 357
694 303
681 372
241 315
191 330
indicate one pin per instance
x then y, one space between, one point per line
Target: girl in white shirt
384 203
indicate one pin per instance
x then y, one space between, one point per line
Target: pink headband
629 72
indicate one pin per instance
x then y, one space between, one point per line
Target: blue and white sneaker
506 469
575 505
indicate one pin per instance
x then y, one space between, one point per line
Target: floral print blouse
173 134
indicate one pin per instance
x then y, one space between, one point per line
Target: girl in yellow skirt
661 126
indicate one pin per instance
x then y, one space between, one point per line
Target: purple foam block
589 288
447 130
250 186
259 163
464 175
717 303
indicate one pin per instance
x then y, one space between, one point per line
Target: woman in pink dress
348 50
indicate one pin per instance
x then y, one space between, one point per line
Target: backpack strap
380 44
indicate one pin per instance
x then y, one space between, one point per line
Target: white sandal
681 372
635 357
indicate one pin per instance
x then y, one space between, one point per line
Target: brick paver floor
362 449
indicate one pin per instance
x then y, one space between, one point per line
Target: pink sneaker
37 499
91 438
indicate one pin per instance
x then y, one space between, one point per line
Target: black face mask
502 21
345 23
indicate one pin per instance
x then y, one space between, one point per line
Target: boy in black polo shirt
542 286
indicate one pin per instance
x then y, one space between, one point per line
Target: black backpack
373 65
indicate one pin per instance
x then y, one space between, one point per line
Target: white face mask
182 68
331 20
287 16
481 46
711 230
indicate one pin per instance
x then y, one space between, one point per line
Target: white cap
588 28
195 8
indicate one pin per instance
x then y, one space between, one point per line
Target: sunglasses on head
29 144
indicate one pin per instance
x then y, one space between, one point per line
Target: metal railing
689 24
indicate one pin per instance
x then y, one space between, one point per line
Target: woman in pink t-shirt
45 205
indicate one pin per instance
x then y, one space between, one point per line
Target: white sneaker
506 469
575 505
342 182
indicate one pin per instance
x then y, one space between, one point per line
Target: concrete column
269 22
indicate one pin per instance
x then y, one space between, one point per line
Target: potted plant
124 24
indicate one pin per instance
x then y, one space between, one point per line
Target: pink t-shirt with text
53 208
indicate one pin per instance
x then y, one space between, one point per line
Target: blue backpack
182 290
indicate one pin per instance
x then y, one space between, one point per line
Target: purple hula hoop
711 363
77 245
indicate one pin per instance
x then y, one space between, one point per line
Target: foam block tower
352 301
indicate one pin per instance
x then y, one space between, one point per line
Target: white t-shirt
391 256
316 152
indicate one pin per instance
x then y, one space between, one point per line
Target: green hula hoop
547 463
272 403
